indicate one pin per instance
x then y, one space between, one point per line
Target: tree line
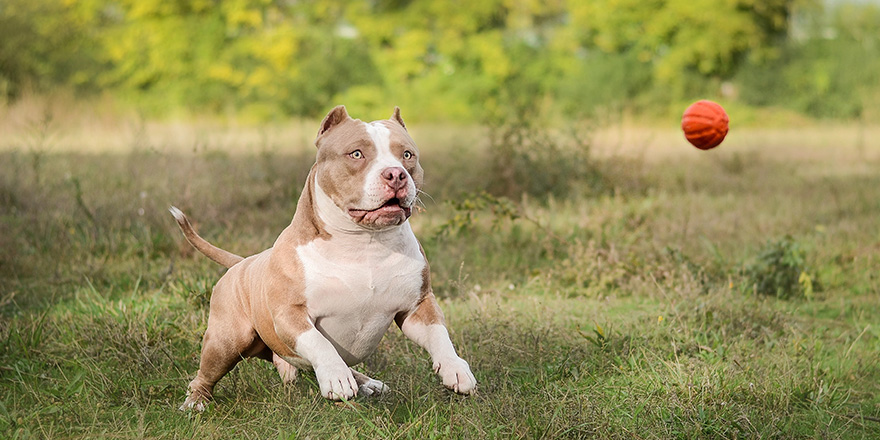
452 60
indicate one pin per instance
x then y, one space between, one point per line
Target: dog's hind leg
368 386
285 369
223 346
218 358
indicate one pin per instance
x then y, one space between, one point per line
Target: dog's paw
372 387
337 383
455 373
286 371
368 386
195 402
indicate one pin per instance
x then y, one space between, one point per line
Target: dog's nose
395 177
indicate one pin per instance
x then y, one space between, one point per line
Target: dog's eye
356 154
407 155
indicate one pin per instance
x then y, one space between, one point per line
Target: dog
347 266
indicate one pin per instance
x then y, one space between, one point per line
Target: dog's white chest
356 285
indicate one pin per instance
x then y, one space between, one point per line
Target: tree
43 43
269 58
676 37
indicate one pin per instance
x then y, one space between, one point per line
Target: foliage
828 72
441 60
594 84
780 270
466 212
44 43
717 33
600 340
268 58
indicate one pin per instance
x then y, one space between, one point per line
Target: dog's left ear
396 117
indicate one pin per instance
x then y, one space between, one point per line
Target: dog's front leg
425 326
297 331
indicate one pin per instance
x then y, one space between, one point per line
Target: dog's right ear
334 118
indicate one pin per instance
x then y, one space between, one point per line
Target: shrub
780 270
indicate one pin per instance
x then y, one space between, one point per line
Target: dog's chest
354 288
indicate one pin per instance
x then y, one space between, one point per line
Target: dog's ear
396 117
334 118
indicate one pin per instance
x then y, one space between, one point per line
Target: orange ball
705 124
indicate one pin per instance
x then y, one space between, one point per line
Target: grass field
662 293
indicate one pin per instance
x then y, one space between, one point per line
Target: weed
39 142
465 212
780 270
600 340
78 196
591 270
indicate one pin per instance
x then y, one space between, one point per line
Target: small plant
592 269
699 273
780 270
468 207
39 142
600 340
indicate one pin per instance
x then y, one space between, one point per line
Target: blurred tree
43 43
443 60
830 70
484 54
495 53
265 57
708 37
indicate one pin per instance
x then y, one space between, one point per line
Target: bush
780 270
531 159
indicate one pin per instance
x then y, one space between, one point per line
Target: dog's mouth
391 208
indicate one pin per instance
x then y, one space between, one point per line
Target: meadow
605 282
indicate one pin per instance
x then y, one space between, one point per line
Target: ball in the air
705 124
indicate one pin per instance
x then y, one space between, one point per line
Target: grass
626 309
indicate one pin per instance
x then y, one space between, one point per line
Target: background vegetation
458 61
603 278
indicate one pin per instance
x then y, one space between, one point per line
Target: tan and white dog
347 266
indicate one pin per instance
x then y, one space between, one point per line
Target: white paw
337 383
372 387
194 402
456 375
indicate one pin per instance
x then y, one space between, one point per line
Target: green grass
623 309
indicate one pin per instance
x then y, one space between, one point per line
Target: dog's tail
227 259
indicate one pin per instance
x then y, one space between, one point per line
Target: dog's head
370 171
